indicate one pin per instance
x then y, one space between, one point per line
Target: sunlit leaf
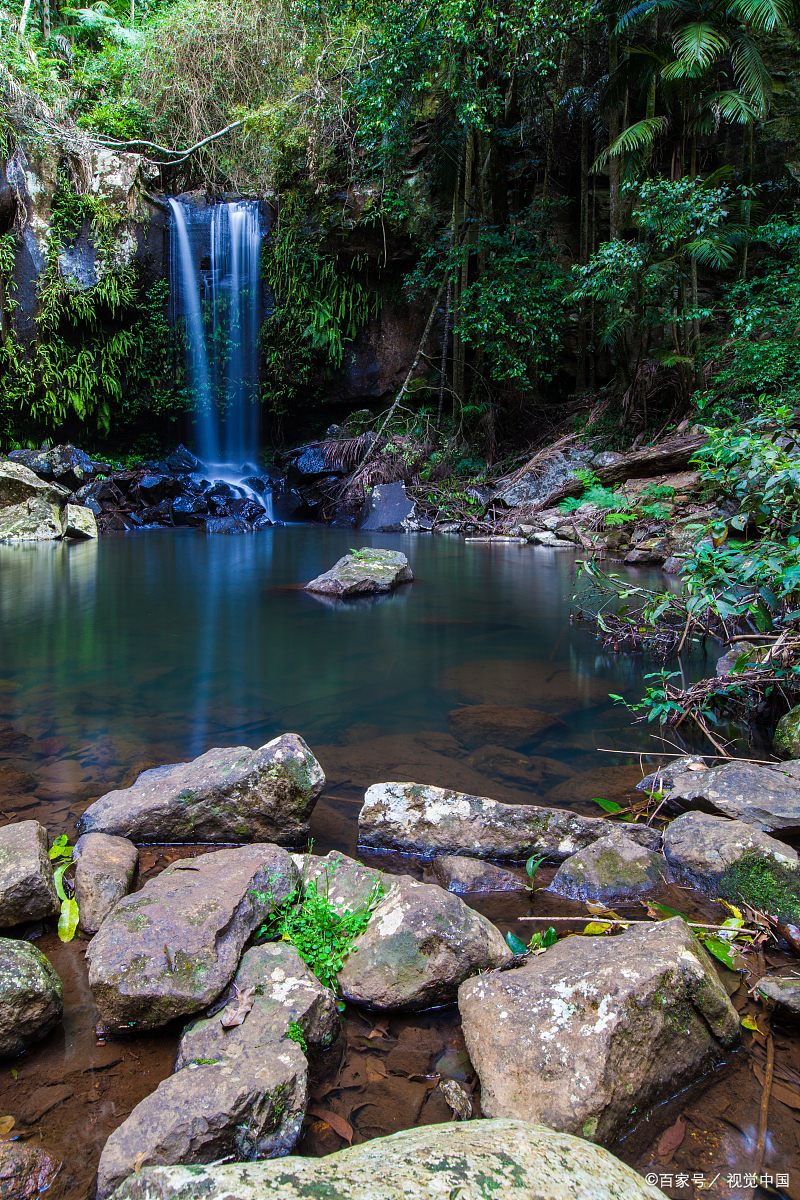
515 944
68 920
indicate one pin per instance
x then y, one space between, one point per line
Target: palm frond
711 253
639 136
764 15
700 43
751 74
641 13
681 70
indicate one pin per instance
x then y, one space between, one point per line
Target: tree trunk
614 164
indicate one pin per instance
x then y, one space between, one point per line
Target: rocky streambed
193 1035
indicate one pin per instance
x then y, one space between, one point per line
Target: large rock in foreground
363 573
429 820
171 948
25 1171
33 520
597 1028
699 848
613 870
237 795
18 484
512 1160
766 797
27 889
31 996
104 871
249 1105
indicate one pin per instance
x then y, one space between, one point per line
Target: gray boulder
18 483
236 795
478 724
766 797
79 523
386 508
613 870
286 994
67 465
421 819
699 848
510 1160
104 871
459 874
663 779
781 990
33 520
248 1106
31 996
536 483
363 573
173 947
27 890
597 1028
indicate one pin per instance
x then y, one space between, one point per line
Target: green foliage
763 884
296 1034
321 933
61 855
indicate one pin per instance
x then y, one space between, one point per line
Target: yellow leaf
752 1023
595 928
731 909
6 1125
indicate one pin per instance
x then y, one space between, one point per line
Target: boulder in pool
31 996
173 947
421 819
459 874
500 725
79 523
597 1028
27 888
18 484
363 573
699 847
235 795
33 520
613 870
766 797
510 1159
25 1171
104 871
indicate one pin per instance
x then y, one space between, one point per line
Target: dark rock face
173 947
182 459
232 795
613 870
699 847
386 508
766 797
31 996
67 465
459 874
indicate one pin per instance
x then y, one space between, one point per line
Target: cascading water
216 291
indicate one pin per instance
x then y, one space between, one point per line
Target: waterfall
222 351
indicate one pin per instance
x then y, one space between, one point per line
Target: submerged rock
236 795
286 994
499 725
699 847
31 996
363 573
766 797
25 1171
247 1106
459 874
510 1160
27 888
105 867
173 947
597 1028
429 820
611 871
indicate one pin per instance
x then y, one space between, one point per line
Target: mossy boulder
787 733
31 996
363 573
700 848
611 871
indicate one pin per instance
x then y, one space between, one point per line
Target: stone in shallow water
235 795
766 797
173 947
79 523
25 1171
500 725
104 871
700 847
33 520
27 889
430 820
597 1028
611 871
509 1160
363 573
781 991
31 996
459 874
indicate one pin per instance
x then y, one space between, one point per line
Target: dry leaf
381 1029
337 1123
376 1069
6 1125
671 1139
236 1012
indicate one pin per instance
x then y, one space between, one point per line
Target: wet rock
104 873
286 992
459 874
524 683
232 795
477 724
729 659
700 847
67 465
597 1028
173 947
308 461
182 459
248 1106
764 797
420 944
386 508
508 765
363 573
34 520
25 1171
613 870
787 733
665 776
79 523
545 537
43 1100
27 890
18 483
227 525
781 990
189 510
421 819
510 1159
31 996
536 483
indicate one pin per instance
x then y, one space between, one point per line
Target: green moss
764 884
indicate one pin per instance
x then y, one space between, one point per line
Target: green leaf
549 937
515 944
596 928
720 950
58 877
68 921
532 865
609 806
59 848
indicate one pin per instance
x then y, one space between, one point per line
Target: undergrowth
765 885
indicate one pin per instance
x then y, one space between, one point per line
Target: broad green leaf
595 928
532 865
549 937
721 950
58 879
609 806
68 921
661 911
515 944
